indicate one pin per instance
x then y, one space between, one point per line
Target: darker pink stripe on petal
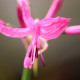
27 16
20 18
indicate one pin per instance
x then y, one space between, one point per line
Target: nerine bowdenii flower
47 28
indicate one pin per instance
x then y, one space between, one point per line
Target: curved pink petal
55 6
51 28
28 60
72 30
27 16
14 32
32 53
2 23
20 18
22 24
20 2
27 63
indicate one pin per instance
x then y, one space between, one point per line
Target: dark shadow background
63 55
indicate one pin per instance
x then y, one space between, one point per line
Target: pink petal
32 52
27 16
72 30
20 2
2 23
22 24
27 59
20 18
27 63
51 28
14 32
56 5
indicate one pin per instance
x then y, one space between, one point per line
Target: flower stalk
45 29
26 74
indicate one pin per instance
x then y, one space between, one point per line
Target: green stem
26 75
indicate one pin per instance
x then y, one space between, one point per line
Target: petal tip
2 23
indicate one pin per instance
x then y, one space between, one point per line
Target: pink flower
26 40
72 30
47 28
54 8
56 4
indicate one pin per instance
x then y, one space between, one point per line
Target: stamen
36 54
42 59
30 53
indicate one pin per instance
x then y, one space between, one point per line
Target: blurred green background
63 54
